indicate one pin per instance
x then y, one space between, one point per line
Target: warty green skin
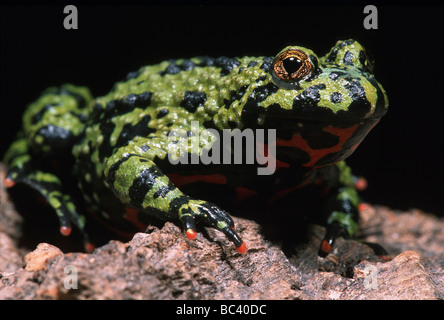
120 142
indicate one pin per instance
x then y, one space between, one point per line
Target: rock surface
163 264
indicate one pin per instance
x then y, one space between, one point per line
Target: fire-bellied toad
117 146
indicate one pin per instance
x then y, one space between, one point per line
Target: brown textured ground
164 264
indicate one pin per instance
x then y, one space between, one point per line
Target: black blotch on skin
235 95
164 190
172 68
258 95
226 64
336 74
308 98
142 185
58 138
346 43
193 99
266 64
162 113
121 106
129 131
348 58
334 52
360 106
355 91
187 65
261 93
336 97
140 100
261 78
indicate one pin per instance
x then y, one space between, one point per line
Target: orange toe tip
361 184
326 247
363 206
242 248
191 234
89 247
66 231
9 183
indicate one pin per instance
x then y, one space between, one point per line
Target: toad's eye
289 67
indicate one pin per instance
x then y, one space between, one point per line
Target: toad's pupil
292 64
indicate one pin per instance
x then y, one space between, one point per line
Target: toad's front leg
342 210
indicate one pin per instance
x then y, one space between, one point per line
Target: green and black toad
118 146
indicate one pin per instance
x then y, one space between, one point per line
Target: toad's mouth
313 113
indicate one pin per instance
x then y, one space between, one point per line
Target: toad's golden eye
290 67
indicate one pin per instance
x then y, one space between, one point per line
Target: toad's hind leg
51 126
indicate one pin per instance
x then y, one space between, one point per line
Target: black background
401 158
